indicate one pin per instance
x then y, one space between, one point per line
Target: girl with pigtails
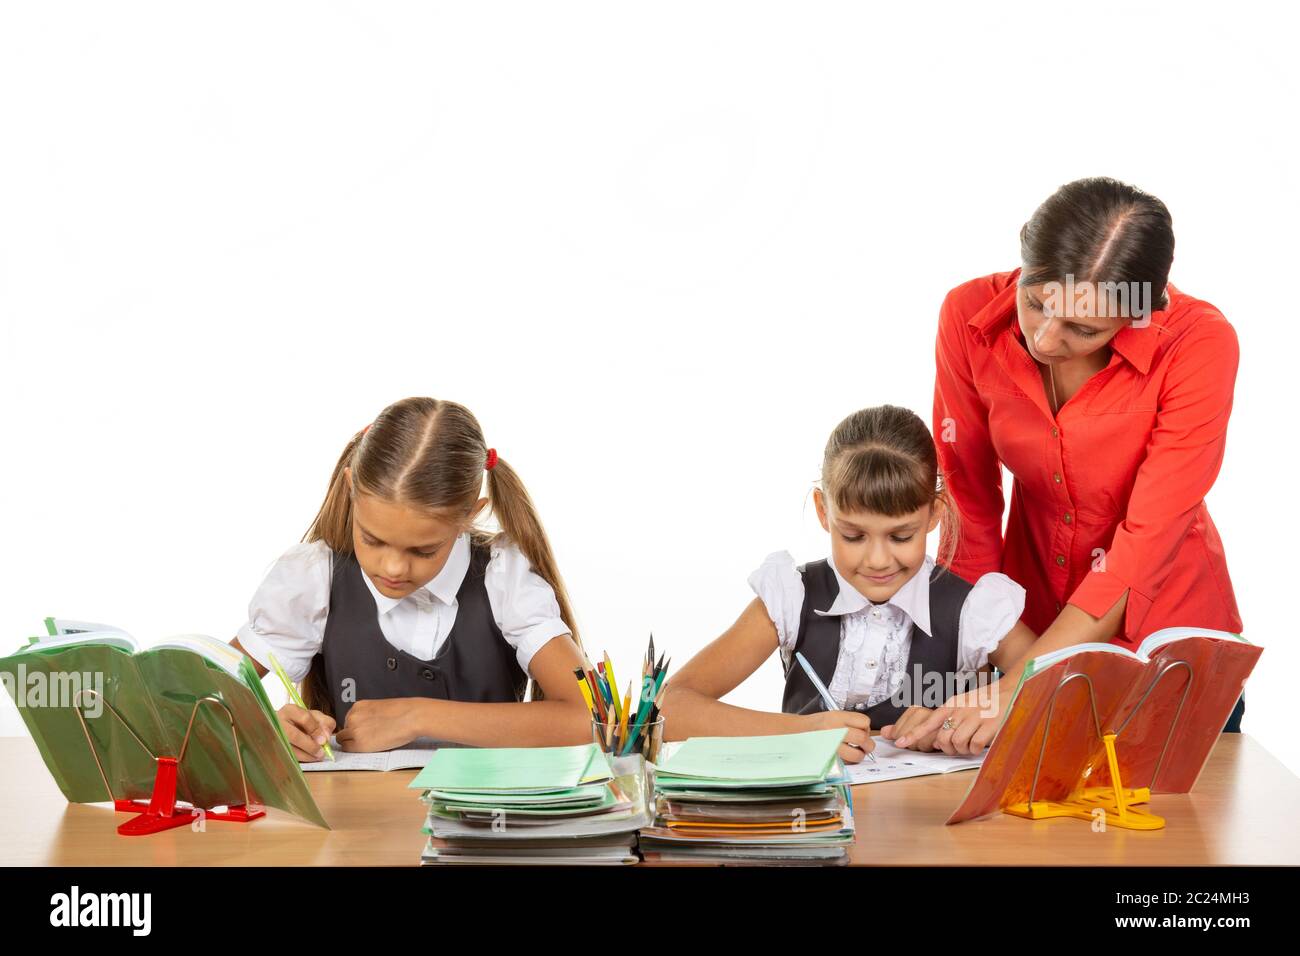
402 619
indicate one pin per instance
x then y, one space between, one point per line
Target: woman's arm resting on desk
973 718
1009 653
691 706
561 719
1014 649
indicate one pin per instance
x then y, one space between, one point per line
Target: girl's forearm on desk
689 713
539 723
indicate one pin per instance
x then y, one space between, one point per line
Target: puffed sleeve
779 585
991 610
523 604
287 613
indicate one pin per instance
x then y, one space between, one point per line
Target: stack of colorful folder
779 799
535 805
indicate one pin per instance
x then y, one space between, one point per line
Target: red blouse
1109 495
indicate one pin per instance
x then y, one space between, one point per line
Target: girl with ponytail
402 619
890 632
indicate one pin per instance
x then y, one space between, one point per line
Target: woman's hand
965 724
307 731
857 741
906 727
380 724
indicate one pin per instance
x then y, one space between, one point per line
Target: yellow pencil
613 685
627 704
586 690
294 696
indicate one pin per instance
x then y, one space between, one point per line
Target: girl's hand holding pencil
857 743
308 731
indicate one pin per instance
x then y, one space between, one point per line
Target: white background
660 250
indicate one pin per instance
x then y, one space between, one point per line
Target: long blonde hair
430 454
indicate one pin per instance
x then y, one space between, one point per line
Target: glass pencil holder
620 738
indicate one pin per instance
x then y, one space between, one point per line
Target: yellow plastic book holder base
1117 801
1083 806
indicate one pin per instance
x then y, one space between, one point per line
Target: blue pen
826 697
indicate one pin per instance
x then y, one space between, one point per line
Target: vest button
1060 559
1067 519
426 673
1056 477
1055 432
392 663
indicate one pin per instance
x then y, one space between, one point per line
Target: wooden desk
1242 812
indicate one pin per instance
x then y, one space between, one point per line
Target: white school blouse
287 613
876 639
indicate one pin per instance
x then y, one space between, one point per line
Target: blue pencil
826 697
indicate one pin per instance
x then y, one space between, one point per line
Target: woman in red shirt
1105 391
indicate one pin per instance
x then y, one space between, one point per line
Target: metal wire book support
1117 802
160 812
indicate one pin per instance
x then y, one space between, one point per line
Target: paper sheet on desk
893 763
409 758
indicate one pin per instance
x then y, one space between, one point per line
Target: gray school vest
819 641
474 663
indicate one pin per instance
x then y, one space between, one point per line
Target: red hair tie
491 459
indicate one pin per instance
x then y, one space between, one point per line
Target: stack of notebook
780 799
536 805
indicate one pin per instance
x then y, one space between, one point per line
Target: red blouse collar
1135 345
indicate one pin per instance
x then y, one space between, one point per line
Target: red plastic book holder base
161 812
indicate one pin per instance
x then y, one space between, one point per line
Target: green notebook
773 760
154 692
491 770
